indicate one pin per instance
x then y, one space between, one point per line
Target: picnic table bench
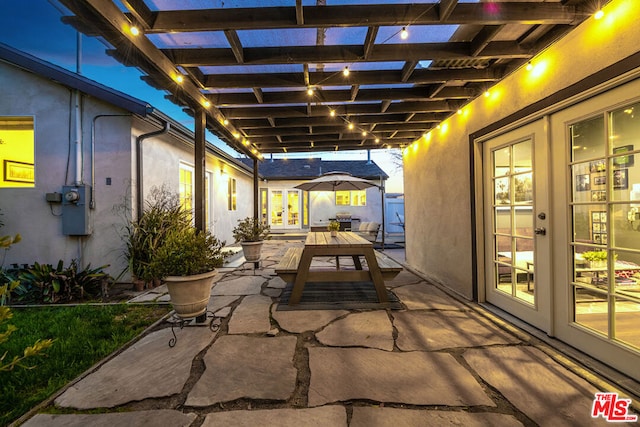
295 264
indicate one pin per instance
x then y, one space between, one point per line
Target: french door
284 208
516 229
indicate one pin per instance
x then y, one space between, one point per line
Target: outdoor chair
369 231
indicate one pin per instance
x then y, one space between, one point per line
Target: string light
599 14
350 126
179 78
332 113
135 31
404 33
529 66
310 91
345 71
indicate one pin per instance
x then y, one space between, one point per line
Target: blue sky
35 27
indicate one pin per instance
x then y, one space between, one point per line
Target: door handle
540 231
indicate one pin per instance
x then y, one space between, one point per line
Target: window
351 198
232 195
17 148
186 188
186 192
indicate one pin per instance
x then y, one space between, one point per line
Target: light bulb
599 14
345 71
404 33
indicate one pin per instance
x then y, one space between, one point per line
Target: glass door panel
293 208
517 250
277 208
606 225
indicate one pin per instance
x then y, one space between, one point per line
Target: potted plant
251 232
596 259
186 261
334 227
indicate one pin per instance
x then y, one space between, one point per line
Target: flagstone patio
438 361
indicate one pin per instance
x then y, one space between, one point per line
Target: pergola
279 76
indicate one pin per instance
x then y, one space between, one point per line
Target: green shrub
186 251
250 229
44 283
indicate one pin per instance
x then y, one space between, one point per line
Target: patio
436 361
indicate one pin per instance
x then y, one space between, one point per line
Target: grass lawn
83 336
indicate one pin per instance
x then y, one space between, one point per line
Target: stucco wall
25 209
437 170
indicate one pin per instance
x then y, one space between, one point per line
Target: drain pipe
77 116
139 139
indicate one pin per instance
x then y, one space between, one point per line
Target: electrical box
75 210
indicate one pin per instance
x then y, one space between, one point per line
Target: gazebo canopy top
315 75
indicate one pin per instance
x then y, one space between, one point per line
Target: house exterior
70 197
530 180
286 208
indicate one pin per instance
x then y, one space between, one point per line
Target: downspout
139 139
77 115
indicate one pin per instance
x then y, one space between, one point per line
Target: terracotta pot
138 285
251 250
190 294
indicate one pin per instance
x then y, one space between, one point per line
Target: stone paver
140 372
339 374
251 316
393 417
448 365
371 329
305 320
246 367
162 417
423 296
436 330
536 384
327 416
246 285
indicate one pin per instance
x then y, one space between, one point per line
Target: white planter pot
251 250
190 294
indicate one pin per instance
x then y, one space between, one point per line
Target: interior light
345 71
599 14
529 66
135 31
404 33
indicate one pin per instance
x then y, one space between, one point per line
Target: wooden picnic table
296 264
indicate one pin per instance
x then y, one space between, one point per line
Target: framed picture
599 196
599 180
583 182
18 172
620 179
597 166
623 161
599 227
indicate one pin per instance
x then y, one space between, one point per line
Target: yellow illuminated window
17 148
186 188
343 198
232 196
351 198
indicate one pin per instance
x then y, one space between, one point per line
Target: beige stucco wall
437 172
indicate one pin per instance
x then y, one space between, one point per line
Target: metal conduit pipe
139 139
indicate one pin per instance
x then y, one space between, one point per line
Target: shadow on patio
436 361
